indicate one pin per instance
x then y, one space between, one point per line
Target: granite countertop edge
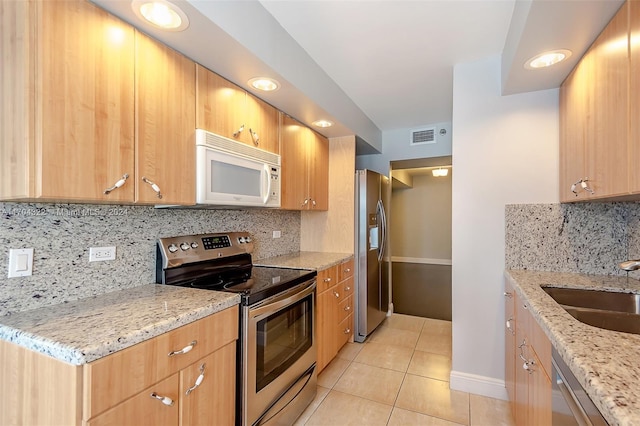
304 260
144 316
612 382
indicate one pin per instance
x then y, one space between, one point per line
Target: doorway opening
420 228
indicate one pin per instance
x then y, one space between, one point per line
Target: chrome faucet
630 265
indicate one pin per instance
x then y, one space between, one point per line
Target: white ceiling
374 66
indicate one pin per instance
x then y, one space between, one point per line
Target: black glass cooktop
255 283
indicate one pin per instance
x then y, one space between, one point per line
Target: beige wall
333 230
421 220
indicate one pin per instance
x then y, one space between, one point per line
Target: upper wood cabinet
91 103
305 167
594 119
165 124
68 110
634 96
228 110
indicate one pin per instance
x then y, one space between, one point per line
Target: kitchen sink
604 309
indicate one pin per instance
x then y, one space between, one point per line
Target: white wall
505 150
421 220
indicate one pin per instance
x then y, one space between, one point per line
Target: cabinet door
143 409
606 152
264 121
326 320
86 101
221 106
318 171
540 408
165 124
510 345
213 401
294 172
634 96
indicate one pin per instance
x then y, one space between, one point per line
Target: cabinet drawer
149 362
327 278
143 409
345 330
345 270
346 288
345 308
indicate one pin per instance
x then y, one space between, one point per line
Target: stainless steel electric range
276 376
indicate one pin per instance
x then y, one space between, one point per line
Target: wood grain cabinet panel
71 72
305 167
596 142
334 311
634 96
165 124
228 110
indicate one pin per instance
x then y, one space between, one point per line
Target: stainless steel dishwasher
571 404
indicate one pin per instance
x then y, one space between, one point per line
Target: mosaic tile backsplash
589 238
61 235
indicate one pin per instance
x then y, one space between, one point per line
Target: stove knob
194 245
248 239
184 246
172 248
241 240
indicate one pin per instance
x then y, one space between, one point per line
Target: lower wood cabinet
334 311
527 363
148 383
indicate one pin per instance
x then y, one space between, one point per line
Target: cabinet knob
185 349
347 308
507 294
254 137
347 288
198 380
347 330
155 187
347 270
327 280
164 399
237 132
336 294
118 184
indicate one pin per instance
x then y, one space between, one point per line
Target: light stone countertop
606 363
85 330
304 260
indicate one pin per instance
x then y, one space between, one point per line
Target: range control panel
177 251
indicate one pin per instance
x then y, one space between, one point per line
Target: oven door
279 357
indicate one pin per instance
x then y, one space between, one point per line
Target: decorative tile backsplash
590 238
61 235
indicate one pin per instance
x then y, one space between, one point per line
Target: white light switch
20 262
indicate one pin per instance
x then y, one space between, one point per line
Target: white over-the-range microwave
230 173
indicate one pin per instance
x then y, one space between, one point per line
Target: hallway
400 376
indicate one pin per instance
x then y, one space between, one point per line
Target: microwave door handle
267 176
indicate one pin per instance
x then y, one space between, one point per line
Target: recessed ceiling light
265 84
322 123
161 14
547 59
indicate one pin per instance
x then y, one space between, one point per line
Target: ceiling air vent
423 136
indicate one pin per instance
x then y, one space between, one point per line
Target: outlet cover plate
99 254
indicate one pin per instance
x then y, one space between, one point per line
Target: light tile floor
399 377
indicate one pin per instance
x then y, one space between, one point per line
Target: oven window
234 179
282 339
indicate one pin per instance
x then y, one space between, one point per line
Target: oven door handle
289 297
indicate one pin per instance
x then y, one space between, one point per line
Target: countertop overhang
606 363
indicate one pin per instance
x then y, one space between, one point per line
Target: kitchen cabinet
97 112
68 110
334 310
527 364
594 119
227 110
165 111
305 167
634 95
118 388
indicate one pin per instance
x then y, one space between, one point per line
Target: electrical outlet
276 234
99 254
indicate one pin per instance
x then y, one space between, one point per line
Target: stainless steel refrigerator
372 255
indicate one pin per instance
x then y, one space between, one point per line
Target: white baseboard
479 385
424 260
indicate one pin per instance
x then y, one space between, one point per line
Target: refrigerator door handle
382 220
